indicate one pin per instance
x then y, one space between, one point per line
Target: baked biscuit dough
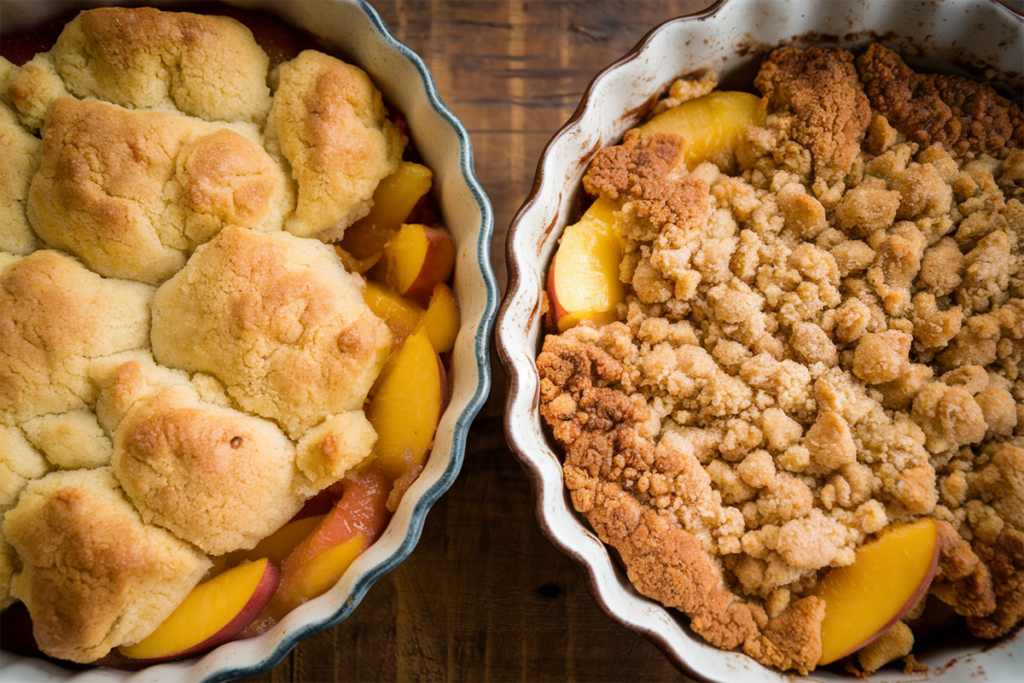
207 430
332 127
55 317
21 158
278 321
213 476
133 193
125 378
332 448
204 66
70 440
32 87
93 575
20 463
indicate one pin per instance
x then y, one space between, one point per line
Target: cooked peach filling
790 368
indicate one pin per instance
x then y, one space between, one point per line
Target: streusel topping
826 343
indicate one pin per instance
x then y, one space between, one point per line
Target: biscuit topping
184 361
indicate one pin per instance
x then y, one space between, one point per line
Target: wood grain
485 596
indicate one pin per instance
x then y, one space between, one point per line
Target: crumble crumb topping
827 343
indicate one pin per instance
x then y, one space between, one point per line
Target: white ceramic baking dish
356 30
980 38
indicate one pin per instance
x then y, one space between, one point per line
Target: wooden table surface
485 596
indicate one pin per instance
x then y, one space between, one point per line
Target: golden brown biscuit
265 349
21 158
278 321
213 476
330 449
223 179
332 127
32 88
55 316
94 576
205 66
123 379
20 463
133 193
70 440
210 390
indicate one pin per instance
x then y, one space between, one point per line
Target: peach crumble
814 347
223 295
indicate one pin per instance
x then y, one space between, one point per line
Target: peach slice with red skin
418 257
407 406
583 281
887 578
215 612
320 560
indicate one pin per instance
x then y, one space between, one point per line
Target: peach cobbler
222 299
788 377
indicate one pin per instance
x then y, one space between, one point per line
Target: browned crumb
895 642
1005 557
912 666
820 88
615 170
963 582
603 430
960 113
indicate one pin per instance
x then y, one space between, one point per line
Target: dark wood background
485 596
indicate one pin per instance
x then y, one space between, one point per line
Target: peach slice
886 579
710 126
407 406
393 201
441 319
418 257
401 315
357 265
278 545
323 570
319 561
213 613
583 282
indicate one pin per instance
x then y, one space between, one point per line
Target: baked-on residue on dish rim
357 30
727 33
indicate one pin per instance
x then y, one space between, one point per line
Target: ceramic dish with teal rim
356 32
981 39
